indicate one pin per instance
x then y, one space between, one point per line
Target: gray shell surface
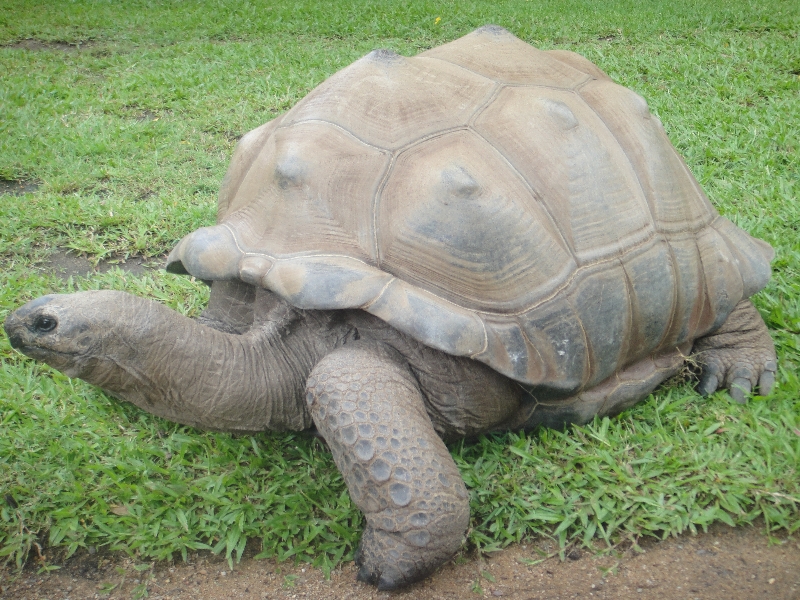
489 199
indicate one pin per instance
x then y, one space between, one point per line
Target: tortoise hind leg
367 405
738 356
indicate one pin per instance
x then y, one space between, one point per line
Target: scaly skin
368 406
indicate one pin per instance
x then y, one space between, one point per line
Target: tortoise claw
739 390
385 572
766 382
366 573
709 382
383 581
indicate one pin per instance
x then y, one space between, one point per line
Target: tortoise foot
389 562
739 356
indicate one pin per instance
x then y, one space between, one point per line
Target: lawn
120 118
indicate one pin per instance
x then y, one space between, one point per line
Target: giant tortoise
483 237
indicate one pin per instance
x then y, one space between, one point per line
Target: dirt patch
610 37
726 563
33 44
17 187
100 192
142 114
65 264
147 115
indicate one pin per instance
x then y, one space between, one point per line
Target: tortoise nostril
44 324
15 341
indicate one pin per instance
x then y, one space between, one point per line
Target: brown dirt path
726 563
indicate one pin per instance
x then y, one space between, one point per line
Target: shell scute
326 282
315 196
253 269
450 223
675 199
554 329
392 103
499 55
425 317
579 63
244 179
580 173
751 255
651 288
511 351
601 301
724 285
691 303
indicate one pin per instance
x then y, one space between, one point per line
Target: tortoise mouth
16 341
71 363
45 354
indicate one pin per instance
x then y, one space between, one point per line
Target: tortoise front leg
367 405
738 356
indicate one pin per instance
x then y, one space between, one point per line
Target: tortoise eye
43 324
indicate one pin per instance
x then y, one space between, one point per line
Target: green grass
128 138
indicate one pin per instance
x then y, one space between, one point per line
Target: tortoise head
74 332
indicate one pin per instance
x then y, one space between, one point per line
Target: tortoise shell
489 199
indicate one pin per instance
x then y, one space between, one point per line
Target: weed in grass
476 588
127 139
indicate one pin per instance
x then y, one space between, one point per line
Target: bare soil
64 264
17 187
725 563
35 45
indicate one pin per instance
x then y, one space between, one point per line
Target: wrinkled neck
187 372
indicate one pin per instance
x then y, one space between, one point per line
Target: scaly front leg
367 405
